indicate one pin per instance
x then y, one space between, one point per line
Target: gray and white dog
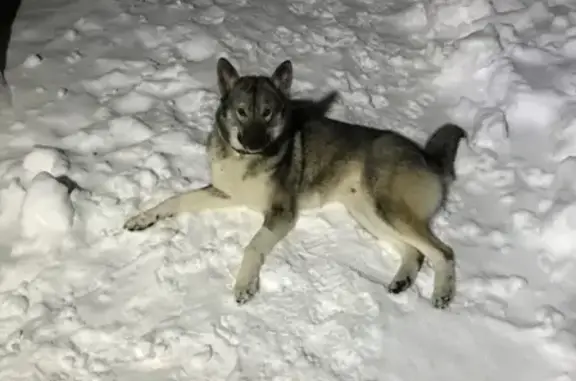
274 157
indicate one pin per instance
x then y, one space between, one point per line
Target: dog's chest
242 181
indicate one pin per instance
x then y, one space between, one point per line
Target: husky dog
267 155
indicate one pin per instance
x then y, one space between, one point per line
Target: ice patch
47 211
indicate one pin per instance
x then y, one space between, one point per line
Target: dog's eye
266 113
241 112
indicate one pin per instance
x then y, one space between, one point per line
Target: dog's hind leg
411 259
417 233
195 200
410 266
406 195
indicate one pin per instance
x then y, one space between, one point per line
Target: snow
45 159
46 208
105 112
32 61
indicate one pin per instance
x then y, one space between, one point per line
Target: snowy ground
111 104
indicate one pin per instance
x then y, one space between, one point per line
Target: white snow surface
46 208
106 113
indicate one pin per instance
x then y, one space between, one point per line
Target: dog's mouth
245 151
252 150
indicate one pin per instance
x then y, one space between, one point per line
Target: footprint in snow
487 288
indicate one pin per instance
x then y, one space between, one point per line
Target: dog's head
254 110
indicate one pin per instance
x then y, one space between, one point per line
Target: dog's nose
253 140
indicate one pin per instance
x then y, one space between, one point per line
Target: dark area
8 10
306 109
70 184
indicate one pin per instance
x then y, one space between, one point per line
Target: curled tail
442 146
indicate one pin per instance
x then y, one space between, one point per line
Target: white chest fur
234 176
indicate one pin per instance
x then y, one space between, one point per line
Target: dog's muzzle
254 139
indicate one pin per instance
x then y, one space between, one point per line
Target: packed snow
105 111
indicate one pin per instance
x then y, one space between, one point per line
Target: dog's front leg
195 200
279 219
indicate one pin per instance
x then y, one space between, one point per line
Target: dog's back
336 152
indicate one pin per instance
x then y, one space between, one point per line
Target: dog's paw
245 291
141 221
399 285
441 298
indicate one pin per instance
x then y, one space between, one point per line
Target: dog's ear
282 77
227 76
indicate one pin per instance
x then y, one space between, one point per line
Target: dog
278 157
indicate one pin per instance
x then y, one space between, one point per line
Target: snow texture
104 111
46 208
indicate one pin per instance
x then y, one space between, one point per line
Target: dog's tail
325 103
442 146
315 109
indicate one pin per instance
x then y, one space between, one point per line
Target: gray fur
279 156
